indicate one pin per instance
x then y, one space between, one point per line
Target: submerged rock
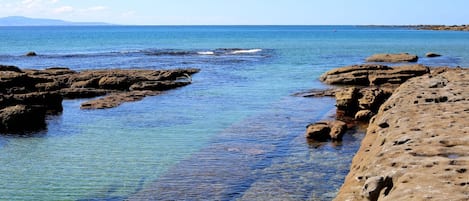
393 58
116 99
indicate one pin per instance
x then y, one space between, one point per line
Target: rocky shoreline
27 96
443 27
416 146
417 139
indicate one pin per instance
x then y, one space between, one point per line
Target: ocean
235 133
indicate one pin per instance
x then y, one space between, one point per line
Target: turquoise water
236 133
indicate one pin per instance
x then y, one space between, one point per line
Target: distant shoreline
427 27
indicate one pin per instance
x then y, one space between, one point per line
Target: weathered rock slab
416 147
372 74
393 58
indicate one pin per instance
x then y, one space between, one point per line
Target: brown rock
12 79
364 115
324 131
373 74
338 129
50 101
74 93
393 58
418 142
346 100
157 85
116 99
91 83
318 131
21 118
371 98
43 90
375 186
352 75
111 82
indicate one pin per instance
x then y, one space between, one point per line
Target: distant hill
25 21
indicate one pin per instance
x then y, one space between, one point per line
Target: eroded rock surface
372 74
417 146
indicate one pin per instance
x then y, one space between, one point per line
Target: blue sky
246 12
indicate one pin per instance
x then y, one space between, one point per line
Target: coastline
416 145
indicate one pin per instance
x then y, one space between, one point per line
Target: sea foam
206 53
246 51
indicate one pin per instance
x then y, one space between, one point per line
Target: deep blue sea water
236 133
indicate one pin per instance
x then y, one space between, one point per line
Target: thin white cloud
96 8
31 3
63 9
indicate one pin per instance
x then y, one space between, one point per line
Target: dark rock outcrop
393 58
31 54
10 68
432 54
34 91
22 118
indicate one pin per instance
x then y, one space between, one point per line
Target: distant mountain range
25 21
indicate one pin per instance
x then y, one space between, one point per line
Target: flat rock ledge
27 96
393 58
417 146
372 74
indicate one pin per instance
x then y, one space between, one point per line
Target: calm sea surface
236 133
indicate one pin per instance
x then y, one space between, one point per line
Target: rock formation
326 130
27 95
432 54
393 58
443 27
416 147
31 54
372 74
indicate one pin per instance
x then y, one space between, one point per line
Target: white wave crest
206 53
246 51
